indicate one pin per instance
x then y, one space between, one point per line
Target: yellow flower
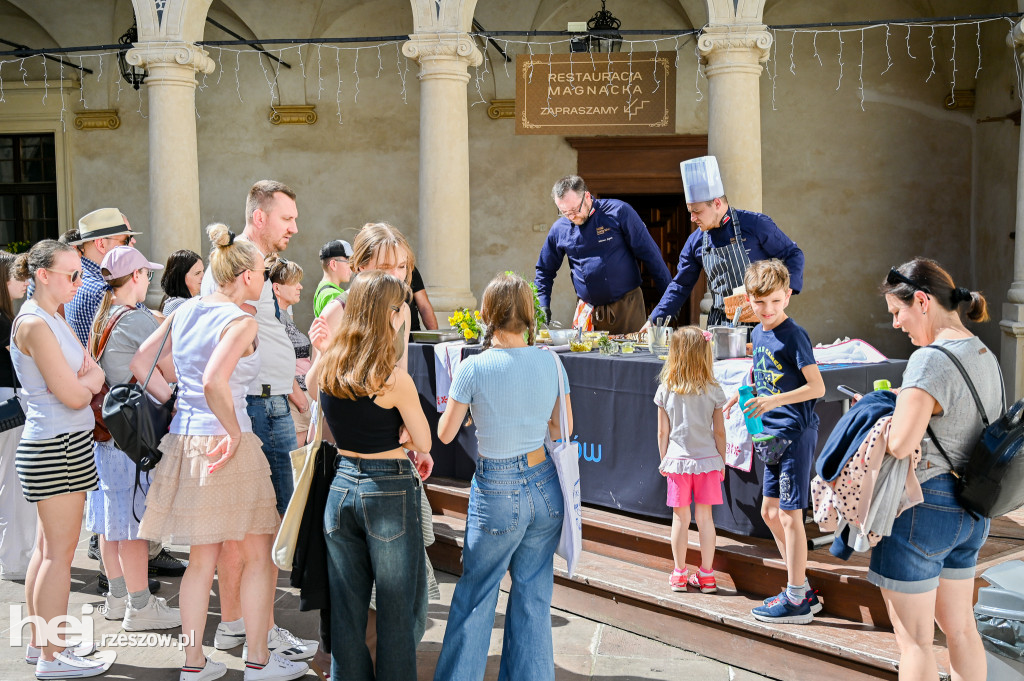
476 313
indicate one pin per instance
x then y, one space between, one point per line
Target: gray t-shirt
124 341
958 426
691 442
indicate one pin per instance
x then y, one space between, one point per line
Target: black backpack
992 482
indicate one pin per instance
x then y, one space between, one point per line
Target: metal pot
728 341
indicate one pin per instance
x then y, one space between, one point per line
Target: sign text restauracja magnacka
585 94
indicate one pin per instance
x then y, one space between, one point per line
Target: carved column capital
443 54
168 57
731 49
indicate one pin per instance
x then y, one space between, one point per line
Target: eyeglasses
149 275
894 278
127 239
579 209
266 272
73 275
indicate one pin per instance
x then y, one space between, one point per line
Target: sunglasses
73 276
894 278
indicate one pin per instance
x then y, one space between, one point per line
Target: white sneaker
276 669
80 648
229 635
212 670
289 646
114 608
67 665
154 615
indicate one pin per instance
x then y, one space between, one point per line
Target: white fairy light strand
952 83
775 65
838 85
931 45
792 47
355 70
888 54
401 75
337 62
319 73
861 72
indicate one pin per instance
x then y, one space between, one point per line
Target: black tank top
360 425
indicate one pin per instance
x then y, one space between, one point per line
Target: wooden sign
596 94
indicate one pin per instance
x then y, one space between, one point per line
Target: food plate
436 336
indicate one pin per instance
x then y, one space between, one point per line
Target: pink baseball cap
124 260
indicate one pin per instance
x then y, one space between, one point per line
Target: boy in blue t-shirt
787 384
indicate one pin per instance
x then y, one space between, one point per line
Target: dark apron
724 267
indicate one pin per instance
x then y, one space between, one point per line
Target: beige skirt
189 505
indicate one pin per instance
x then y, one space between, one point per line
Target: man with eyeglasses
334 257
605 241
726 242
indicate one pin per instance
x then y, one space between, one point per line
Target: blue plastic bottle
753 423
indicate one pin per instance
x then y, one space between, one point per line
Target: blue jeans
936 538
514 524
272 424
372 526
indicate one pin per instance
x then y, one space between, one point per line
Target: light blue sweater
511 392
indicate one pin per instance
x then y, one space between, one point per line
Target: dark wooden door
669 224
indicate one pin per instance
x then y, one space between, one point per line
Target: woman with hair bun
926 567
213 483
54 459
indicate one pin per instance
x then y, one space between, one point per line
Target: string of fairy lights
342 63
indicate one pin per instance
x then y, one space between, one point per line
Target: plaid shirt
82 309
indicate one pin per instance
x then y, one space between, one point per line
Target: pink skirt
189 505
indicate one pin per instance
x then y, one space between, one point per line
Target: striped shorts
56 465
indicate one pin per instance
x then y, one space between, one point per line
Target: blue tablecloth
615 421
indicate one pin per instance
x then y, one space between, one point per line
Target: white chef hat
701 179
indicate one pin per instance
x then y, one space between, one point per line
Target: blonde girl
691 441
379 246
54 458
212 485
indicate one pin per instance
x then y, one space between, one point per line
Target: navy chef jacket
762 240
603 255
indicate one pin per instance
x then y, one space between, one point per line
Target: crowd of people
249 387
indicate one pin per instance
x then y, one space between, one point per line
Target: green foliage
538 311
18 246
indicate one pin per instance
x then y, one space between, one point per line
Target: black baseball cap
335 249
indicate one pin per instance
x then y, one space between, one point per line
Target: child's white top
691 441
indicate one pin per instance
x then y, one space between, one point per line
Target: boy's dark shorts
789 481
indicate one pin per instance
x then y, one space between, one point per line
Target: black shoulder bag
992 482
136 423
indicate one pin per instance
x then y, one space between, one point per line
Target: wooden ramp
622 579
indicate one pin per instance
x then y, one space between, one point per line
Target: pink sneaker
705 583
677 581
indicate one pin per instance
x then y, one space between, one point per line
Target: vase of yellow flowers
467 322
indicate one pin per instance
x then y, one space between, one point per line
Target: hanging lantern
133 75
608 39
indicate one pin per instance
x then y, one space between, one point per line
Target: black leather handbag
11 414
137 423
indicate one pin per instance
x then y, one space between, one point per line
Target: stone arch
443 16
735 11
175 20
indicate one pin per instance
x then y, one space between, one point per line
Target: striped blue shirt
511 392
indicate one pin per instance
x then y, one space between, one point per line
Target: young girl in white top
691 440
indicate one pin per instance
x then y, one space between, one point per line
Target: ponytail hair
928 276
229 256
99 322
40 256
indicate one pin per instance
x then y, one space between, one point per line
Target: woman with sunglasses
113 511
54 459
212 485
925 568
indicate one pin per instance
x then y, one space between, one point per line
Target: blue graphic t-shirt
779 356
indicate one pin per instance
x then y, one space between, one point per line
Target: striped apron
724 267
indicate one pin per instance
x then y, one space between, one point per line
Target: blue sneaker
783 611
815 603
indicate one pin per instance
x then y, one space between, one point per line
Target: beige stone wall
859 191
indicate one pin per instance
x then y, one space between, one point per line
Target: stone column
733 56
174 220
444 229
1012 323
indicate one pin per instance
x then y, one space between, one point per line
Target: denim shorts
789 480
936 538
